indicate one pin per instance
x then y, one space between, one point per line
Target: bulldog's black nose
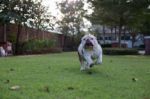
88 41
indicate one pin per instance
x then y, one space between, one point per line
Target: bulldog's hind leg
99 59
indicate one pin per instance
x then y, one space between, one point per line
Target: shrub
141 47
39 47
12 37
120 51
35 45
106 45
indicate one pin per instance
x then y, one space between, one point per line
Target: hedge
39 47
120 51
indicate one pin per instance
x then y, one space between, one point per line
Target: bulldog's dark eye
91 38
84 39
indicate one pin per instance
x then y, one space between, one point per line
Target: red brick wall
30 33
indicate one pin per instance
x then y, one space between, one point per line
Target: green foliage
72 19
120 13
35 45
12 37
58 76
42 18
17 10
145 26
116 12
73 13
120 51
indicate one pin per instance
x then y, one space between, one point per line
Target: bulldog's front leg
89 61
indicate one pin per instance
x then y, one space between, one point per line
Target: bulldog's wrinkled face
88 41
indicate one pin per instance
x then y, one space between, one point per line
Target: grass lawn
58 76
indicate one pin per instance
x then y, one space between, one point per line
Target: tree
5 15
145 24
42 18
118 12
21 12
72 18
18 11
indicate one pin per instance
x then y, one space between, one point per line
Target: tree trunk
78 37
73 43
119 36
104 33
65 31
27 34
133 38
111 29
4 32
17 39
124 34
115 32
120 31
43 36
64 45
36 34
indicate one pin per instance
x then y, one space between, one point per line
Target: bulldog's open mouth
88 45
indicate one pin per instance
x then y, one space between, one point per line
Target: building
109 35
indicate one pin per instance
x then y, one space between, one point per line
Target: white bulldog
88 51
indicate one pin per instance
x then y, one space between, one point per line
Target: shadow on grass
93 72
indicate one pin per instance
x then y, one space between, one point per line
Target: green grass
58 76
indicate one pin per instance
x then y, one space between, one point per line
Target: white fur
86 55
2 52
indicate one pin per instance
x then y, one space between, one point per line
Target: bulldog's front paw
82 68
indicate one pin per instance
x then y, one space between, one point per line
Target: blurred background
40 26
